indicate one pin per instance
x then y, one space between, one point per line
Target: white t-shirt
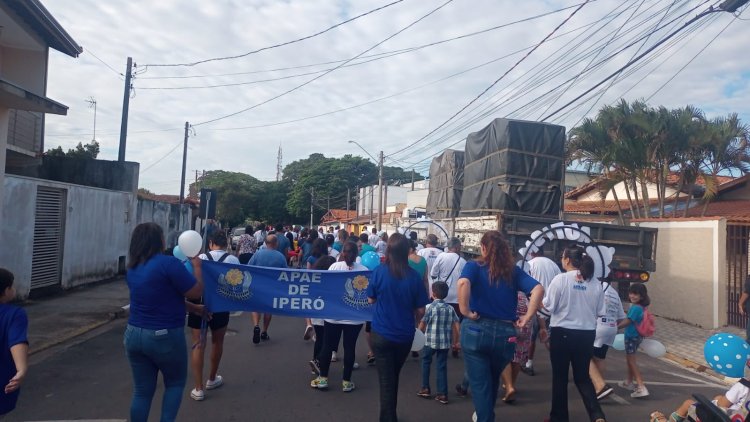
441 270
216 255
543 270
606 326
430 255
373 239
333 252
737 395
380 247
341 266
572 304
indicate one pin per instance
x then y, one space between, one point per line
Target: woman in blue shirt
487 297
399 297
155 335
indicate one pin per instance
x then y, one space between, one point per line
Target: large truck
510 178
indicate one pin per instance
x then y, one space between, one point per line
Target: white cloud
172 31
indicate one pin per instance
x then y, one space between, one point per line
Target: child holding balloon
638 295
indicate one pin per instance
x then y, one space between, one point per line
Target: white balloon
419 340
190 243
619 343
653 348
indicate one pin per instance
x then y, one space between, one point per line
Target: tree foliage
88 151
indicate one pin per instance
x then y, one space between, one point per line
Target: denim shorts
631 344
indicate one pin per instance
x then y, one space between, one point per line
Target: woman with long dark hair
334 329
399 296
155 335
487 297
574 300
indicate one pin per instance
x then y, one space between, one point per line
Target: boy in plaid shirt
440 325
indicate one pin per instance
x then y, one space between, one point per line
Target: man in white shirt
431 252
543 270
373 238
447 267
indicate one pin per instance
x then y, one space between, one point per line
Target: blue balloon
619 343
371 260
177 252
189 266
727 354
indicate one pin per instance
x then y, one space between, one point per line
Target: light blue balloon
371 260
177 252
189 266
727 354
619 343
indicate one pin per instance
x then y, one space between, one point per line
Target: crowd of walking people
490 311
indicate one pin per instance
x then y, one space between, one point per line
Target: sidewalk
56 319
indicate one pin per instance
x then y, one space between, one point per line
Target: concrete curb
698 367
112 315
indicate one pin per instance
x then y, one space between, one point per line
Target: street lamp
380 182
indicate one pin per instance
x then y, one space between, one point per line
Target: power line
105 63
497 80
327 72
177 145
278 45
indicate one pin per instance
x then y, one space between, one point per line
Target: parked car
236 233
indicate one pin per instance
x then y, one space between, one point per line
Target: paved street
270 382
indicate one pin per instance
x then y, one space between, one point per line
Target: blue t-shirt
496 301
635 315
395 302
366 248
157 293
268 258
283 243
338 246
14 325
306 250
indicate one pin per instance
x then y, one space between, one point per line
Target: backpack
647 326
221 259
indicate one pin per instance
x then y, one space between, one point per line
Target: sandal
657 417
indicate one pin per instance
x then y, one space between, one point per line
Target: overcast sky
391 100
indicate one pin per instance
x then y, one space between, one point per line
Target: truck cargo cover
514 166
446 184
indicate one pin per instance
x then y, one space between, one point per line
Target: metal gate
738 236
49 228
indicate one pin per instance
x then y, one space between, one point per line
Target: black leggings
572 348
319 340
332 335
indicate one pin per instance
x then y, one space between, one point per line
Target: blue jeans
441 368
488 346
149 352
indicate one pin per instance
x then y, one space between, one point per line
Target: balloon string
204 332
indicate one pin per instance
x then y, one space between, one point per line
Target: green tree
88 151
236 194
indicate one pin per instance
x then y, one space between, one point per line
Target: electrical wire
277 45
496 81
105 63
327 72
150 166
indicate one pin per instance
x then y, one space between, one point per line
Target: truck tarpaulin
446 184
514 166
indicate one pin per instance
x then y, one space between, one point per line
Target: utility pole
348 196
92 104
385 197
329 203
380 192
312 198
412 179
125 109
184 161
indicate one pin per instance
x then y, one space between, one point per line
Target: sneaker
256 335
640 391
320 383
264 336
627 385
334 358
370 359
315 367
461 391
347 386
424 392
355 366
218 382
308 332
441 398
604 392
197 395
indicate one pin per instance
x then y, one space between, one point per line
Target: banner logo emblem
356 292
235 285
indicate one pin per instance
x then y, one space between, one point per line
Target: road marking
233 314
704 381
126 307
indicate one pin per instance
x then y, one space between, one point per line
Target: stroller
706 411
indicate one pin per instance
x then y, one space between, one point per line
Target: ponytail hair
349 252
580 260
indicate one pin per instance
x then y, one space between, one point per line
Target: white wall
417 198
97 231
